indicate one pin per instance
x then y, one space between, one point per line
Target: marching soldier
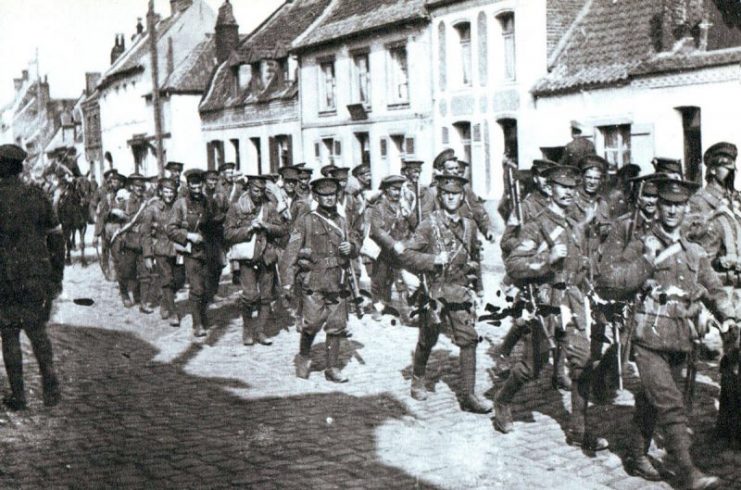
412 169
550 253
217 259
175 169
254 219
106 224
579 147
159 251
192 225
619 198
31 272
297 205
304 177
673 276
637 222
133 278
321 245
441 249
670 167
228 185
362 174
390 224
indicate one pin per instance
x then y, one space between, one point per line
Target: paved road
144 406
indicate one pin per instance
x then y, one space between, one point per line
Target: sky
76 36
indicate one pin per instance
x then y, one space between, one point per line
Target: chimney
681 25
25 74
139 26
118 48
227 32
179 5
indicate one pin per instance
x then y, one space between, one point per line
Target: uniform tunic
158 246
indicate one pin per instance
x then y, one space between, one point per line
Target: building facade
125 91
365 84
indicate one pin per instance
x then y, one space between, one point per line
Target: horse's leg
82 243
68 242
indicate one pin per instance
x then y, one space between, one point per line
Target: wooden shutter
273 148
289 146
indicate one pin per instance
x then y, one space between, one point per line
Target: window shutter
289 146
337 148
317 150
477 133
384 148
483 49
442 61
446 136
273 148
409 146
641 144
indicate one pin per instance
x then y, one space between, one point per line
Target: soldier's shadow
349 349
442 366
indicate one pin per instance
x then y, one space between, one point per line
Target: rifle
689 380
514 195
131 223
357 297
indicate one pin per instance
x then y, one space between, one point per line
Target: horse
73 203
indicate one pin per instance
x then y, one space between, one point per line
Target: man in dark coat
31 272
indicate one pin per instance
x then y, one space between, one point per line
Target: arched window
507 25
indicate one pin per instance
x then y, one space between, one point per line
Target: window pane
399 75
362 78
464 35
327 86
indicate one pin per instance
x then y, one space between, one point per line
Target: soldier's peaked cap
649 183
676 191
227 166
629 170
210 173
257 180
109 173
304 171
175 165
340 172
362 168
135 177
541 164
442 157
392 180
11 160
325 186
289 173
167 183
327 169
412 164
451 183
667 165
592 161
722 148
566 175
194 175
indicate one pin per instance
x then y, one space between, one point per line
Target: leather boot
164 306
125 296
333 373
133 287
195 308
248 336
13 358
638 463
503 404
262 318
678 446
169 297
144 306
577 434
204 314
419 390
560 380
471 402
303 366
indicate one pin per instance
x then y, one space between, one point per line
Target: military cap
629 170
328 169
167 183
649 183
463 163
325 186
675 190
227 166
566 175
577 149
194 175
288 173
451 183
540 165
391 180
304 172
210 173
175 166
411 165
136 177
667 165
116 175
257 180
11 159
300 165
722 148
362 168
340 173
442 157
109 173
592 161
273 177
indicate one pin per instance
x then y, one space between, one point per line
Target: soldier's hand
442 258
195 238
651 247
399 247
558 252
490 236
727 325
149 263
345 248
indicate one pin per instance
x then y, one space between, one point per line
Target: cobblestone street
144 406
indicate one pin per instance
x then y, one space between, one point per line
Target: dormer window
283 69
243 75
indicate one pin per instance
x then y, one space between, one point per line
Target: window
363 148
215 154
235 147
446 136
507 23
398 74
616 144
244 75
257 153
280 152
283 69
464 139
361 79
327 87
509 134
384 148
464 41
331 151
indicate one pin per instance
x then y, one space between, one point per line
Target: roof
193 73
348 18
273 38
612 41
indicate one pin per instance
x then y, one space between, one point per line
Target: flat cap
175 166
649 183
360 169
227 166
542 164
442 157
628 171
304 171
167 183
592 161
325 186
288 173
566 175
723 148
194 175
675 190
392 180
340 173
109 173
300 165
257 180
12 153
328 169
451 183
210 173
411 165
667 165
